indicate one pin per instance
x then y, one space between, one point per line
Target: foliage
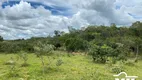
101 54
83 68
76 44
59 62
13 71
130 62
117 69
99 41
43 49
1 38
24 56
15 46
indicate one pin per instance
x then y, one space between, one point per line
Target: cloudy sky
27 18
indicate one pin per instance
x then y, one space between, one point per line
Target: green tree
100 53
138 42
43 50
137 28
1 38
57 33
76 44
24 56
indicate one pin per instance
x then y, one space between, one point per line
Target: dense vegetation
105 44
99 41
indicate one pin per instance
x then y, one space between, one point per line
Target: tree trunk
49 61
137 53
42 60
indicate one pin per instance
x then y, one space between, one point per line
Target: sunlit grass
74 67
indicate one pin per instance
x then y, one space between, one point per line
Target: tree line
101 42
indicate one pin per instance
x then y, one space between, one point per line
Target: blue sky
28 18
56 10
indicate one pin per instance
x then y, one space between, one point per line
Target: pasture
73 67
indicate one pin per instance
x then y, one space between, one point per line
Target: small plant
59 62
117 69
111 61
130 63
12 72
24 56
43 50
10 62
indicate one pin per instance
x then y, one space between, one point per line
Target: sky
39 18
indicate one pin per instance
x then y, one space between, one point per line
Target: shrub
59 62
100 54
41 50
13 72
76 44
117 69
130 62
111 61
1 38
24 56
103 52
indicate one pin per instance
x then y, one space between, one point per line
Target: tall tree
1 38
138 42
57 33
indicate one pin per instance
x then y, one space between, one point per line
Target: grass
74 67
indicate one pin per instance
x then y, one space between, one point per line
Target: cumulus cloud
24 21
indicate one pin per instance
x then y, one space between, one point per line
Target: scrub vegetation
92 53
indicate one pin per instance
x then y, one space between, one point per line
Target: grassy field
74 67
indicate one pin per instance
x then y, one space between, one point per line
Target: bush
130 62
76 44
100 54
111 61
24 56
9 47
117 69
15 46
59 62
1 38
41 50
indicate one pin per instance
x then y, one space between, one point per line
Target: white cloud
24 21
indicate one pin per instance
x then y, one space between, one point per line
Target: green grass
74 67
